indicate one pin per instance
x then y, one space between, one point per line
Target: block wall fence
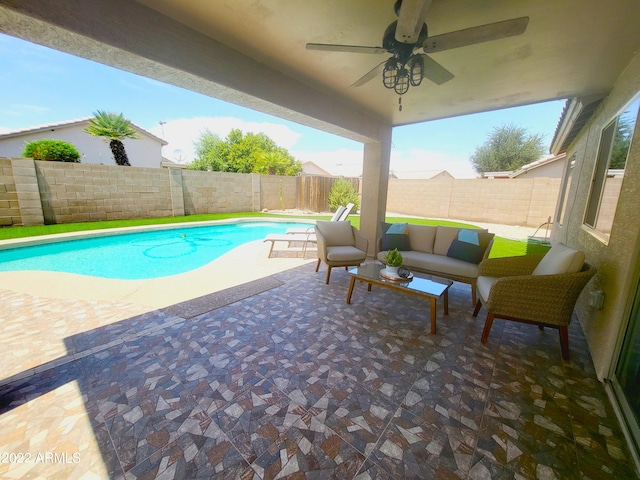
38 193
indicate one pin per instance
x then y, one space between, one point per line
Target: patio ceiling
253 53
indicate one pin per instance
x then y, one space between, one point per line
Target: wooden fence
313 192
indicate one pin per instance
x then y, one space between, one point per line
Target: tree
341 193
250 153
116 128
508 148
51 150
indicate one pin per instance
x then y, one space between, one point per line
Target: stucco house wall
145 151
617 259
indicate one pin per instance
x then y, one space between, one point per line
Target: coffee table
425 286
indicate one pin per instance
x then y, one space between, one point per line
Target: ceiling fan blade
370 75
435 72
473 35
344 48
410 20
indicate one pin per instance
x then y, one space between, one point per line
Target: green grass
502 247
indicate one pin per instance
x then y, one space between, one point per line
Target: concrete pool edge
106 232
242 264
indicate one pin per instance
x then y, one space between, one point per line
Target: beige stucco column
375 181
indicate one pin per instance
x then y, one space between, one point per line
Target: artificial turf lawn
502 247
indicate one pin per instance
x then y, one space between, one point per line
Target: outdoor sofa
448 252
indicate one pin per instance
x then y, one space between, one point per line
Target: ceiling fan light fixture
402 81
416 70
390 73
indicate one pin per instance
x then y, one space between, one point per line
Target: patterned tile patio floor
294 383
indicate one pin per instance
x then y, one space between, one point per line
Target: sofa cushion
336 233
560 259
439 264
444 237
470 245
421 238
390 240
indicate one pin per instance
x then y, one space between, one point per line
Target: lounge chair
340 215
305 238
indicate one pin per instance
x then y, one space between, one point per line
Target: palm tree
114 127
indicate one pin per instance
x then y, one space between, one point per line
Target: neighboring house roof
310 168
420 174
537 164
530 167
70 123
505 174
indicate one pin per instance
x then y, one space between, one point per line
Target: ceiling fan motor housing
402 51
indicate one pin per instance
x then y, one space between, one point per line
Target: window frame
590 220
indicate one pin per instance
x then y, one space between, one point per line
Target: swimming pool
141 255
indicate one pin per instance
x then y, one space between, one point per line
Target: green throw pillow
470 245
394 235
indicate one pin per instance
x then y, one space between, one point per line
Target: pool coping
244 263
106 232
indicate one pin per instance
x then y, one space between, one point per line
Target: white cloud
343 162
182 133
349 162
419 160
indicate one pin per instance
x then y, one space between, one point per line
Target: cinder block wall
278 192
9 206
526 202
71 192
216 192
75 192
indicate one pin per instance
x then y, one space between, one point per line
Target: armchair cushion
336 233
560 259
345 254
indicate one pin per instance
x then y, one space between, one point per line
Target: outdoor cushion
394 236
560 259
336 233
421 238
345 254
484 285
470 245
440 263
444 237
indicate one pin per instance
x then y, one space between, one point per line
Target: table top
424 284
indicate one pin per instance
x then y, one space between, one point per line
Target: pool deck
243 264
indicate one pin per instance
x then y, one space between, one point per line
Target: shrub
341 193
51 150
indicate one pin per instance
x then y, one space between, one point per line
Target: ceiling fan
407 36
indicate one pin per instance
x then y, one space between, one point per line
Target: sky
39 86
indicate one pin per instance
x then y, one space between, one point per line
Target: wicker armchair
339 245
511 289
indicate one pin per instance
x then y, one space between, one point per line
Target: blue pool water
140 255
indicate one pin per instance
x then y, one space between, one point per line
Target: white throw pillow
560 259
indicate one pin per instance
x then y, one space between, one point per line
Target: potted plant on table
393 259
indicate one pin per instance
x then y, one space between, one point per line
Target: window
566 188
606 183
